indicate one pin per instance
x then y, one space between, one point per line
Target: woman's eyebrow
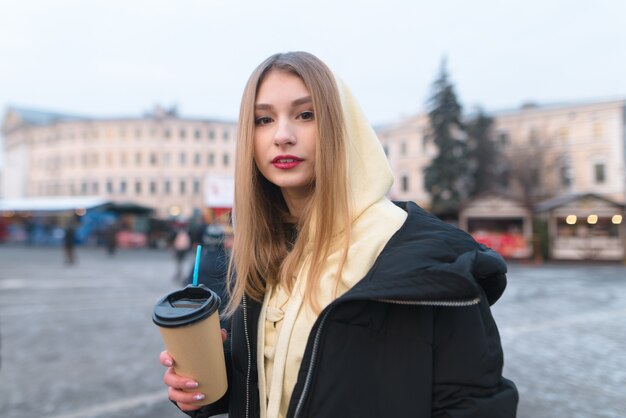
295 103
301 101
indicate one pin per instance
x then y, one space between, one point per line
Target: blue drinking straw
197 265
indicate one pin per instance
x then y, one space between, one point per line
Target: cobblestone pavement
78 341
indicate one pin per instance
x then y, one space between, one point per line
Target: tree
526 169
484 157
446 176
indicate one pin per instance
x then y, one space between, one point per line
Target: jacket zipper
445 303
245 330
307 382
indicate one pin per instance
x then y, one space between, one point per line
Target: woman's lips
286 162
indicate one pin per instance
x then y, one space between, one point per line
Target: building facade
159 160
550 150
162 160
409 151
566 149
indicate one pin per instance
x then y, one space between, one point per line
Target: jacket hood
430 261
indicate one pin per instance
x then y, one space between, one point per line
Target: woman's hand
180 389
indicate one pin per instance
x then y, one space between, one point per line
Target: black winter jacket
414 338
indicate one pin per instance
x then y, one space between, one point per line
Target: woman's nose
284 135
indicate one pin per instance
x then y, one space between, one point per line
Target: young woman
345 304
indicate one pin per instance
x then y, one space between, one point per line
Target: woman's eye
308 115
263 120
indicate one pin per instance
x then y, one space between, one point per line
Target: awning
69 203
51 204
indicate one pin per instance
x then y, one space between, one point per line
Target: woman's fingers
184 400
166 359
171 379
224 335
177 387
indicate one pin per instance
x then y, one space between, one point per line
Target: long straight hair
264 252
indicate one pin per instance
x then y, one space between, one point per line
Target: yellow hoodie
285 321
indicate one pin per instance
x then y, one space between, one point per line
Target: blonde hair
264 251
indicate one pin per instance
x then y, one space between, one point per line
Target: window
182 133
503 139
182 186
138 187
183 158
166 186
197 134
226 160
405 183
597 130
122 186
196 186
94 187
566 176
196 158
138 158
166 133
599 172
83 187
153 159
225 136
153 187
403 148
109 186
211 134
211 159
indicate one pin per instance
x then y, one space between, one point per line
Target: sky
121 58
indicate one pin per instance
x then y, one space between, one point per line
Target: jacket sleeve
467 365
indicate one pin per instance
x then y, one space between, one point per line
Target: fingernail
191 385
168 363
198 397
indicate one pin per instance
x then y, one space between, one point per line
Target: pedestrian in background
181 243
345 304
213 268
110 237
69 241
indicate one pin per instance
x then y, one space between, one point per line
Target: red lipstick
286 162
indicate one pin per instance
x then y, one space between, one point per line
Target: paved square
78 341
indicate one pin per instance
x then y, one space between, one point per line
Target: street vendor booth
584 227
499 221
41 220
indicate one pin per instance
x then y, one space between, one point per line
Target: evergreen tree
447 175
484 158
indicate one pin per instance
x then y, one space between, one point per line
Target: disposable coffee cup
189 323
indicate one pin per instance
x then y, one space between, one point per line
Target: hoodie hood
369 174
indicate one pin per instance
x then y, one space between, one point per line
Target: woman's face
285 134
